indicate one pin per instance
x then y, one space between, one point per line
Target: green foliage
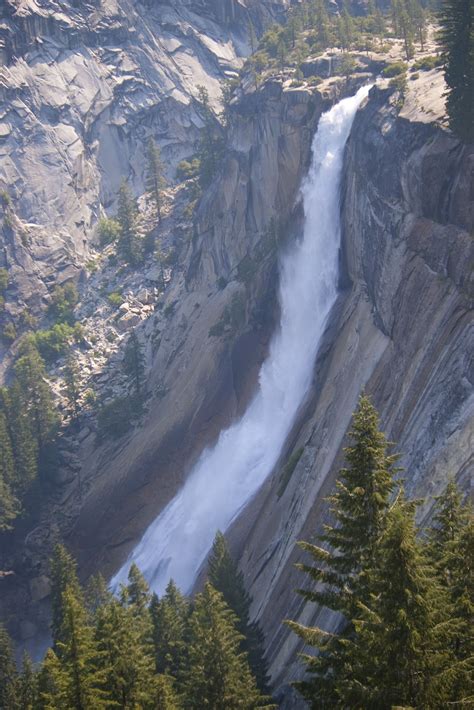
226 578
63 302
287 471
211 144
154 179
4 279
394 69
130 245
426 63
115 299
169 618
8 675
134 364
188 169
217 674
456 18
54 342
115 418
71 380
108 231
407 606
9 333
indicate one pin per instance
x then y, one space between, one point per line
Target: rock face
403 330
82 87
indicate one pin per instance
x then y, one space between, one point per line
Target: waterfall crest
228 474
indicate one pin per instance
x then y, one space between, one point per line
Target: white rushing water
227 475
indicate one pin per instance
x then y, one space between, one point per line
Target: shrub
115 418
108 231
399 82
64 300
426 63
9 333
394 69
188 169
5 199
3 280
54 342
115 299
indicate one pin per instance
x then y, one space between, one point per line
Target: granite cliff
402 328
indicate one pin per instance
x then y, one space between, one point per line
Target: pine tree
27 685
226 578
134 364
137 593
400 646
35 395
129 242
24 446
63 576
8 674
126 661
450 550
457 39
217 675
9 503
169 618
154 180
52 684
165 697
81 680
96 594
343 566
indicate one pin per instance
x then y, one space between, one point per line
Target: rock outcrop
403 331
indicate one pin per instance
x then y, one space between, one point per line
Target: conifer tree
226 578
137 593
35 396
342 568
399 652
457 39
217 675
169 618
27 685
134 363
52 684
126 661
81 681
165 698
63 576
129 242
9 503
211 145
96 594
450 549
8 674
24 446
154 180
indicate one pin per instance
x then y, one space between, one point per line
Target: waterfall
229 473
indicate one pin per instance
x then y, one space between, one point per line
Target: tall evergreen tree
400 649
129 243
225 576
63 576
169 618
165 697
457 39
24 445
341 568
126 661
35 395
81 681
27 685
8 674
9 503
134 363
154 180
217 675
